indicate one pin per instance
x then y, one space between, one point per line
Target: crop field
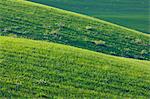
133 14
47 70
29 20
50 53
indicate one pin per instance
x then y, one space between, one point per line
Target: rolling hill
19 18
34 65
130 13
48 70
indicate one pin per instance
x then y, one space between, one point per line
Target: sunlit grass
48 70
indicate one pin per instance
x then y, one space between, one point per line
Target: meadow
30 20
129 13
48 70
46 52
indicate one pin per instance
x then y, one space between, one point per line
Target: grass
47 70
21 18
130 13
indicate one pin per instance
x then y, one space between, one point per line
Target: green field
48 70
51 53
130 13
34 21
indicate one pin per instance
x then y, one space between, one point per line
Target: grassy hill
29 20
130 13
48 70
42 69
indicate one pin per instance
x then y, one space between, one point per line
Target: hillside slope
40 69
25 19
130 13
